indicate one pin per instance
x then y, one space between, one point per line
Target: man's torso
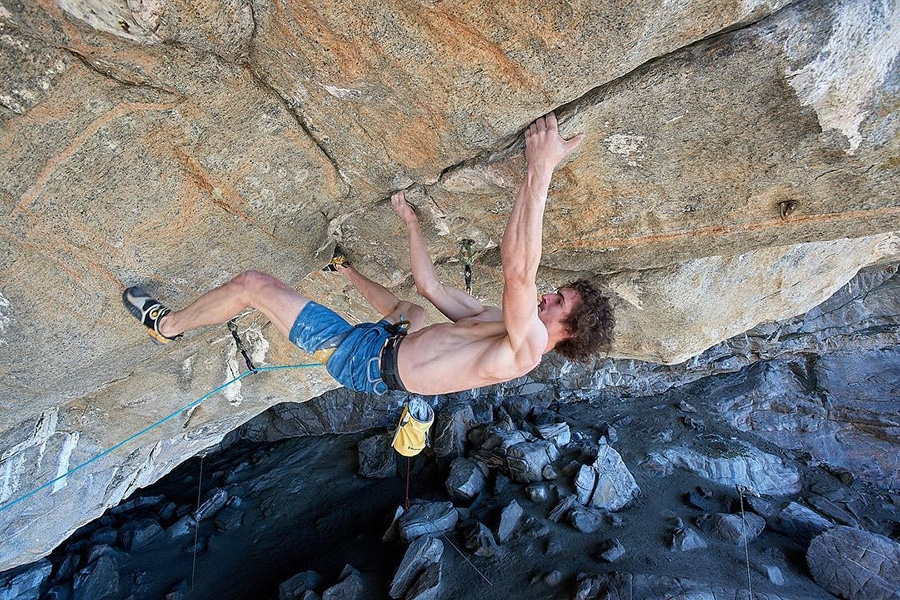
450 357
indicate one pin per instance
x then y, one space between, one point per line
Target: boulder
610 550
538 492
214 502
737 529
854 564
510 518
294 588
376 457
421 554
527 460
139 533
562 507
737 463
771 572
427 584
558 433
799 523
451 427
230 517
427 518
586 520
24 583
466 479
480 540
685 538
97 581
350 586
607 484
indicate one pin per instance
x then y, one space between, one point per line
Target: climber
481 346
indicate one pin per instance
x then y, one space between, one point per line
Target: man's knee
251 284
413 313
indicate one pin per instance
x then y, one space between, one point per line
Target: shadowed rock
466 479
855 564
427 518
100 579
376 457
527 460
421 554
510 518
350 586
607 484
25 582
293 588
638 585
480 540
738 464
684 539
733 528
427 585
451 426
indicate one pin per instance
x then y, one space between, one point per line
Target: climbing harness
465 257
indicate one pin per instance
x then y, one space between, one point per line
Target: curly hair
591 323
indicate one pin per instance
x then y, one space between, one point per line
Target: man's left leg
279 302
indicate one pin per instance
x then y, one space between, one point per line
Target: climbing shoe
411 436
148 311
337 258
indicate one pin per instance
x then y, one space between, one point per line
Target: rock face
738 464
178 143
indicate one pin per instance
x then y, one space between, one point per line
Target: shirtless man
481 346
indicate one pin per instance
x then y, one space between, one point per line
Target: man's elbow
429 289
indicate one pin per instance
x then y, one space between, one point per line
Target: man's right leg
275 299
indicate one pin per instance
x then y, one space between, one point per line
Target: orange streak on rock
230 199
470 38
53 164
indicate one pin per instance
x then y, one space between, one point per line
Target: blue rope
153 426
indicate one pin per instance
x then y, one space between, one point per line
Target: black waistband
390 374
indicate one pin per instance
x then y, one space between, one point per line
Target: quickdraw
465 257
232 327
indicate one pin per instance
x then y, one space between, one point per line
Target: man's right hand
403 208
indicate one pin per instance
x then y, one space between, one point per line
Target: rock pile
517 445
95 555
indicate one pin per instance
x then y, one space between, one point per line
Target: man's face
556 307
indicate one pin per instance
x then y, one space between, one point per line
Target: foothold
124 25
786 208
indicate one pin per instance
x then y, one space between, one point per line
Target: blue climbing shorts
355 362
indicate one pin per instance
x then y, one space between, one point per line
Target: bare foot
403 208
